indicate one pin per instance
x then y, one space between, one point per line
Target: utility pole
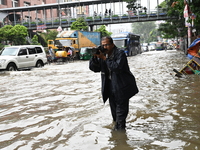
148 6
59 28
157 7
59 13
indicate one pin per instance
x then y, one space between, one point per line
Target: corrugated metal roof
65 33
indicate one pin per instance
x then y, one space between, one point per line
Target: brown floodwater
59 107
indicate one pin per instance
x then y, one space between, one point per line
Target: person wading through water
118 83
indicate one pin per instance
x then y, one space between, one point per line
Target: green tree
147 31
169 29
18 34
34 40
49 35
79 24
131 4
153 35
176 27
5 33
103 31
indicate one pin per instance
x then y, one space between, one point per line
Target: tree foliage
79 24
176 27
103 31
131 4
49 35
146 30
19 33
173 27
34 40
5 33
16 34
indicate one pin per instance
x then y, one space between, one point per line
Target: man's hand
101 55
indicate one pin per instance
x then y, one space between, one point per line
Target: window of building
2 2
60 1
14 3
27 4
37 11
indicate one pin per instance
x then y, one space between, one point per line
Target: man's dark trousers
119 109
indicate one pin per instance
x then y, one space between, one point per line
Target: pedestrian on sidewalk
106 12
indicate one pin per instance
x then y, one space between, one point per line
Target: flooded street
59 107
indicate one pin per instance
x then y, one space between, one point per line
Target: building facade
36 15
47 14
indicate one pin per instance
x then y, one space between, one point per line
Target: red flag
186 13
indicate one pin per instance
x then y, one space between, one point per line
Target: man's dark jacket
123 82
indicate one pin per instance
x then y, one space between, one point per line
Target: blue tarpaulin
195 42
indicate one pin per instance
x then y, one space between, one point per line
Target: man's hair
107 37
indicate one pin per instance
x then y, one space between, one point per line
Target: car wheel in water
11 67
39 64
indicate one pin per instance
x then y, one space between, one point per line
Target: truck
75 39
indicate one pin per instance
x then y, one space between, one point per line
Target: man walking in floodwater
118 83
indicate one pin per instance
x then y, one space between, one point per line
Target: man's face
107 45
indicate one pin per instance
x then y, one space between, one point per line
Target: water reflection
118 141
187 108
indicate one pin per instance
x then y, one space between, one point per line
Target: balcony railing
67 21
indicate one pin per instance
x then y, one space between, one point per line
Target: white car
144 47
152 46
22 57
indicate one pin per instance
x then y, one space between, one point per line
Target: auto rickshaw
86 53
160 46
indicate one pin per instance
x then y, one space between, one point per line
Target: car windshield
63 42
119 43
9 51
159 44
152 44
85 50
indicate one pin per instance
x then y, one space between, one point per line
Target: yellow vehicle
76 39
